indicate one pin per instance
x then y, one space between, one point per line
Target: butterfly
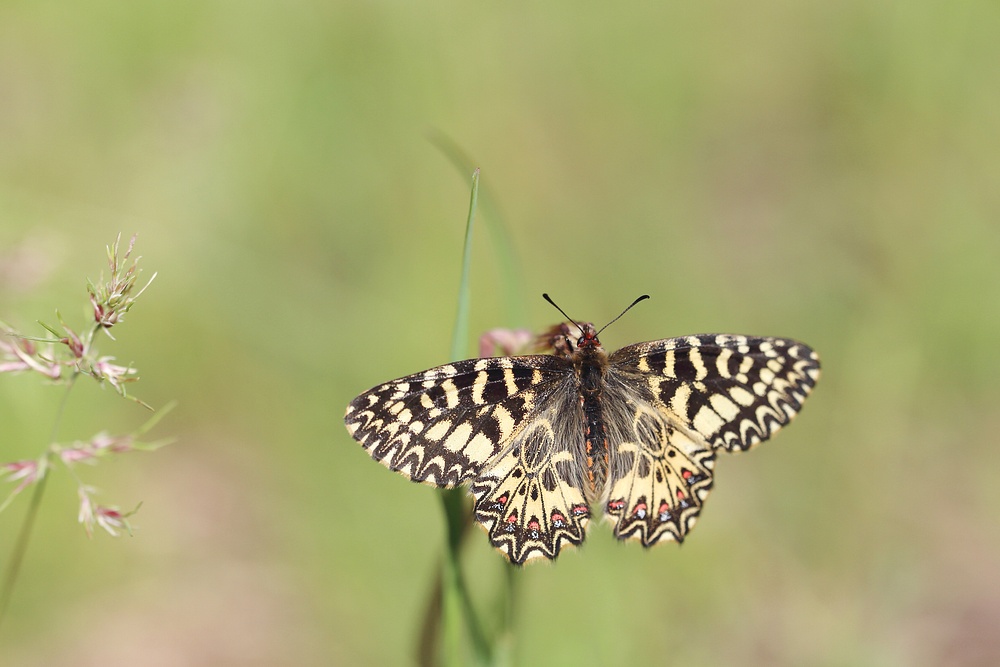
545 440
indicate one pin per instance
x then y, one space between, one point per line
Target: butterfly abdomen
592 363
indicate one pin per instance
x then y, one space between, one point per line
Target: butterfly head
588 337
562 338
566 338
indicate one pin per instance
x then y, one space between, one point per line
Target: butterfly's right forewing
733 391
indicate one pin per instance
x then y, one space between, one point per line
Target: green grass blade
460 334
456 603
511 276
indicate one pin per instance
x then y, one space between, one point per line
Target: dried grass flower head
112 299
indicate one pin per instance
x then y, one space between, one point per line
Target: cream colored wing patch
531 500
658 479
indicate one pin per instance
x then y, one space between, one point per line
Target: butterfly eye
589 337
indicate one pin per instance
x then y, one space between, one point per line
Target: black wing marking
734 391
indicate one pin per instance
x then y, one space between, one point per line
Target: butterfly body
544 440
590 363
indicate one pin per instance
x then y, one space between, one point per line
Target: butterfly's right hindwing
444 425
659 476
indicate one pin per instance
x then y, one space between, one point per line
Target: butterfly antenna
641 298
549 299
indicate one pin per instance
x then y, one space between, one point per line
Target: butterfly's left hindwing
532 499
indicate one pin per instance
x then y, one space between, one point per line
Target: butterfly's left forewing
444 425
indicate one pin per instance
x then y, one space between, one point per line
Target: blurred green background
823 171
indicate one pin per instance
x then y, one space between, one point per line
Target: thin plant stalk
20 548
28 526
455 600
460 334
110 300
450 607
